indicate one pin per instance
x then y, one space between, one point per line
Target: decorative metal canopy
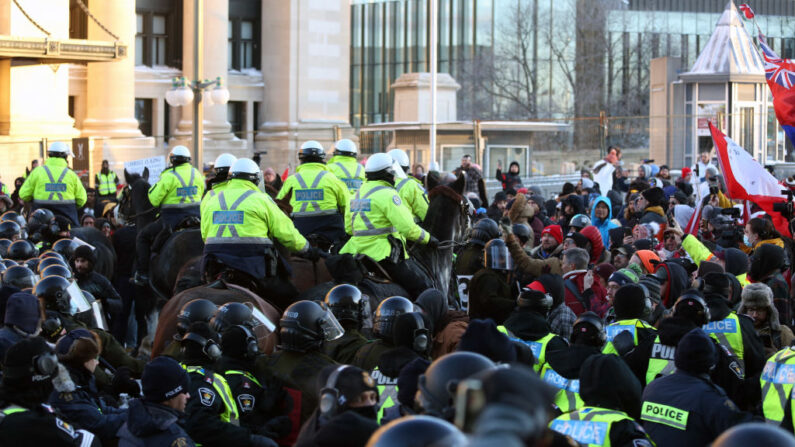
45 50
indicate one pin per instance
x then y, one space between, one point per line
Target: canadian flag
747 11
748 180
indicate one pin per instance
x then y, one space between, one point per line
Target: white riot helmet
345 147
246 169
311 151
59 149
178 155
400 156
383 162
222 165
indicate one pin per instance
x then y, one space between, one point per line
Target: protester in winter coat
651 204
767 262
757 303
511 179
601 218
445 325
674 280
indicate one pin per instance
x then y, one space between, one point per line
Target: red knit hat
555 231
686 171
537 285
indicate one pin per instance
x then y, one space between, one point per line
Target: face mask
747 241
367 412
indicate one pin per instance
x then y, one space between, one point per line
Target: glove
262 441
277 427
312 253
433 242
505 224
124 383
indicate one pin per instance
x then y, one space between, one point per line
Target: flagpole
433 69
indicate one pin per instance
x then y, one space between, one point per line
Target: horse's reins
142 213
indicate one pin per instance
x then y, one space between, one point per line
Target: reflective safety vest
567 397
11 409
620 326
222 389
375 213
242 214
106 184
588 425
664 414
661 362
246 374
777 380
539 347
53 184
179 187
348 170
315 191
387 392
728 334
413 195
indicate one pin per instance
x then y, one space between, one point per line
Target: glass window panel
747 129
503 157
160 56
230 30
230 55
139 23
139 50
451 156
246 30
158 24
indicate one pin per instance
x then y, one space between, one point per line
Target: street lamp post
185 91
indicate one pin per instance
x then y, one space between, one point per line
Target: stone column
217 130
305 61
110 88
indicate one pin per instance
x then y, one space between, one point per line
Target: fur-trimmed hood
520 212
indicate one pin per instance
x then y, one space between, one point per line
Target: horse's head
284 202
134 201
449 211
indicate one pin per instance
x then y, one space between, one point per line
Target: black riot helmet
305 325
10 230
65 247
484 231
231 314
20 277
193 311
437 386
13 216
417 431
21 250
46 262
33 264
522 231
52 254
4 244
579 222
535 300
755 433
345 302
589 330
496 256
53 291
57 270
39 218
408 330
311 152
386 313
692 306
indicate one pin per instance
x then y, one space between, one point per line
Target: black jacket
531 326
149 423
258 401
348 429
40 426
710 411
343 349
97 285
490 296
470 260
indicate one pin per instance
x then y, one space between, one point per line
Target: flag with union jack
747 11
780 74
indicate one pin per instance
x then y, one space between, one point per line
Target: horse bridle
126 197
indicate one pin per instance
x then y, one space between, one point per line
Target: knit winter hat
695 353
24 312
623 276
482 337
629 302
85 252
655 196
653 286
164 378
555 231
580 240
709 267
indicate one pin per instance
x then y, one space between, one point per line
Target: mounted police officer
178 194
319 199
106 181
213 418
410 189
380 225
220 178
237 227
54 186
344 165
25 421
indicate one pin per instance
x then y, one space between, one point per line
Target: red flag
285 174
694 223
747 11
748 180
780 74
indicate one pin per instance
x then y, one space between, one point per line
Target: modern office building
565 60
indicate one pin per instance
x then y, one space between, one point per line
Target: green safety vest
727 332
413 194
348 170
222 389
664 414
661 362
567 398
315 191
180 186
589 425
777 380
620 326
106 184
539 347
243 373
387 392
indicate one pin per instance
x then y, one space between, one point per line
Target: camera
785 208
732 212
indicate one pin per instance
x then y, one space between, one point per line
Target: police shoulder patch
246 402
206 396
396 200
65 427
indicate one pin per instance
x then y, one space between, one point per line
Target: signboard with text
156 165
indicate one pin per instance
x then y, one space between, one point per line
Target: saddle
188 223
350 269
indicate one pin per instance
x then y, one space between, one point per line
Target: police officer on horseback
344 165
54 186
237 226
178 193
319 198
410 188
380 225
